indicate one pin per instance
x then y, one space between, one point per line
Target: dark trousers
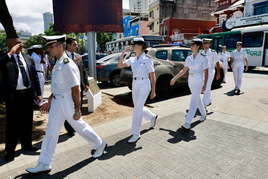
67 126
19 120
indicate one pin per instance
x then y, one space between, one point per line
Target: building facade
154 21
48 19
135 24
176 17
140 6
24 36
227 9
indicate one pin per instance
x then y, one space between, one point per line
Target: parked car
107 70
85 58
168 61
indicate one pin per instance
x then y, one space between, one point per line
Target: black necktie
72 56
23 73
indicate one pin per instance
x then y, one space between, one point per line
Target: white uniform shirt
37 61
198 64
212 58
141 67
239 56
20 85
64 76
224 56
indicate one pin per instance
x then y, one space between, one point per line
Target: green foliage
51 31
3 37
34 40
102 38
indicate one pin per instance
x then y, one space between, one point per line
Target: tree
51 31
102 38
3 37
34 40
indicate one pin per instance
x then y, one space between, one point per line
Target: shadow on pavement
182 134
119 148
62 138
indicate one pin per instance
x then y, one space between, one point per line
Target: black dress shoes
71 134
9 157
31 148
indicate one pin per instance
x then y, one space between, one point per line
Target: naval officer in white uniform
213 59
142 66
65 105
225 58
197 63
39 60
238 57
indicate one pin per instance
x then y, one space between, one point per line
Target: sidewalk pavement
224 146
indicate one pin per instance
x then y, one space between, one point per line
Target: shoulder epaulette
213 50
190 54
203 54
66 60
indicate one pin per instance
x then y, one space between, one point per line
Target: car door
178 59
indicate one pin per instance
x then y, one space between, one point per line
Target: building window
131 32
152 26
261 9
137 31
151 14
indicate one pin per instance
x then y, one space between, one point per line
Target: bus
120 44
255 43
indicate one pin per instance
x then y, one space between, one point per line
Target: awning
149 24
256 4
237 4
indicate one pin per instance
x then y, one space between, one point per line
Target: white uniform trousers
225 64
238 69
195 84
140 92
42 85
207 97
60 110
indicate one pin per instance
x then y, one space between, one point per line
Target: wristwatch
78 112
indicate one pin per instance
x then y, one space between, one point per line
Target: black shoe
238 92
32 148
9 157
71 134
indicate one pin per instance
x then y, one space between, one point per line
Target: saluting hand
14 49
126 49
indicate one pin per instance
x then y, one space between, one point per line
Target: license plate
129 72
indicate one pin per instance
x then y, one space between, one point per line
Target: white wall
249 9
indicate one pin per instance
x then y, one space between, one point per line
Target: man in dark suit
70 51
17 88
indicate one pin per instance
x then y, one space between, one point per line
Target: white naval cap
224 46
138 40
36 46
206 40
53 39
196 41
30 48
239 43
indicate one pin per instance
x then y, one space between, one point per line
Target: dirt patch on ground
112 107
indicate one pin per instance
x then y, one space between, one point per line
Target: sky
28 14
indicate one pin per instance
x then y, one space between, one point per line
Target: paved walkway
224 146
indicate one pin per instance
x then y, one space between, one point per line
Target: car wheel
115 79
163 88
217 83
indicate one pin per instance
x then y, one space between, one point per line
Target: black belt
22 91
137 78
40 71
